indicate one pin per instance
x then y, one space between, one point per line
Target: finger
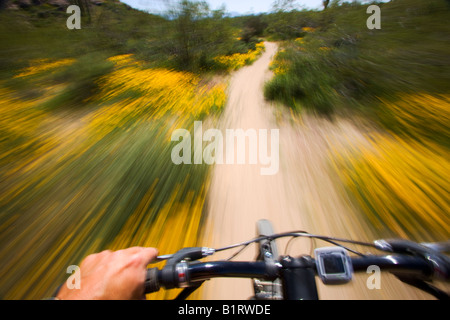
145 254
130 251
96 258
148 255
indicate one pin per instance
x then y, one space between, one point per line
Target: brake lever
187 253
162 258
440 263
175 270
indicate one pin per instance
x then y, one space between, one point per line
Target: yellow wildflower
42 65
308 29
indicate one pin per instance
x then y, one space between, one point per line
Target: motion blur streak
80 182
86 118
345 177
400 179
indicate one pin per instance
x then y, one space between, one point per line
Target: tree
254 26
197 34
188 16
84 6
284 5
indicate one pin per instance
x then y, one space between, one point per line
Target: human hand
109 275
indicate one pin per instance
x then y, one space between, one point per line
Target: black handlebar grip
152 281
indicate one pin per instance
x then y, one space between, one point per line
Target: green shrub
342 65
81 79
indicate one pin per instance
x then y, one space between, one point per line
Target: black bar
298 278
397 264
230 269
400 264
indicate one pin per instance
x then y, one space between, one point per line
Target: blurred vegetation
401 186
188 37
73 178
86 117
397 77
239 60
333 62
401 180
194 39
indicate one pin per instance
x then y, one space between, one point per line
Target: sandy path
303 195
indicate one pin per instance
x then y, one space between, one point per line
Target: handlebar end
152 281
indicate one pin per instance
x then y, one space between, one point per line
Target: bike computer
333 265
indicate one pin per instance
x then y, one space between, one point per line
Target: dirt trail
303 195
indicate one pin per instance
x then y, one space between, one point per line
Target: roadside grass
396 77
341 66
401 186
85 151
238 60
80 180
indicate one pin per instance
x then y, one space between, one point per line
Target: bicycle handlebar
413 263
186 274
